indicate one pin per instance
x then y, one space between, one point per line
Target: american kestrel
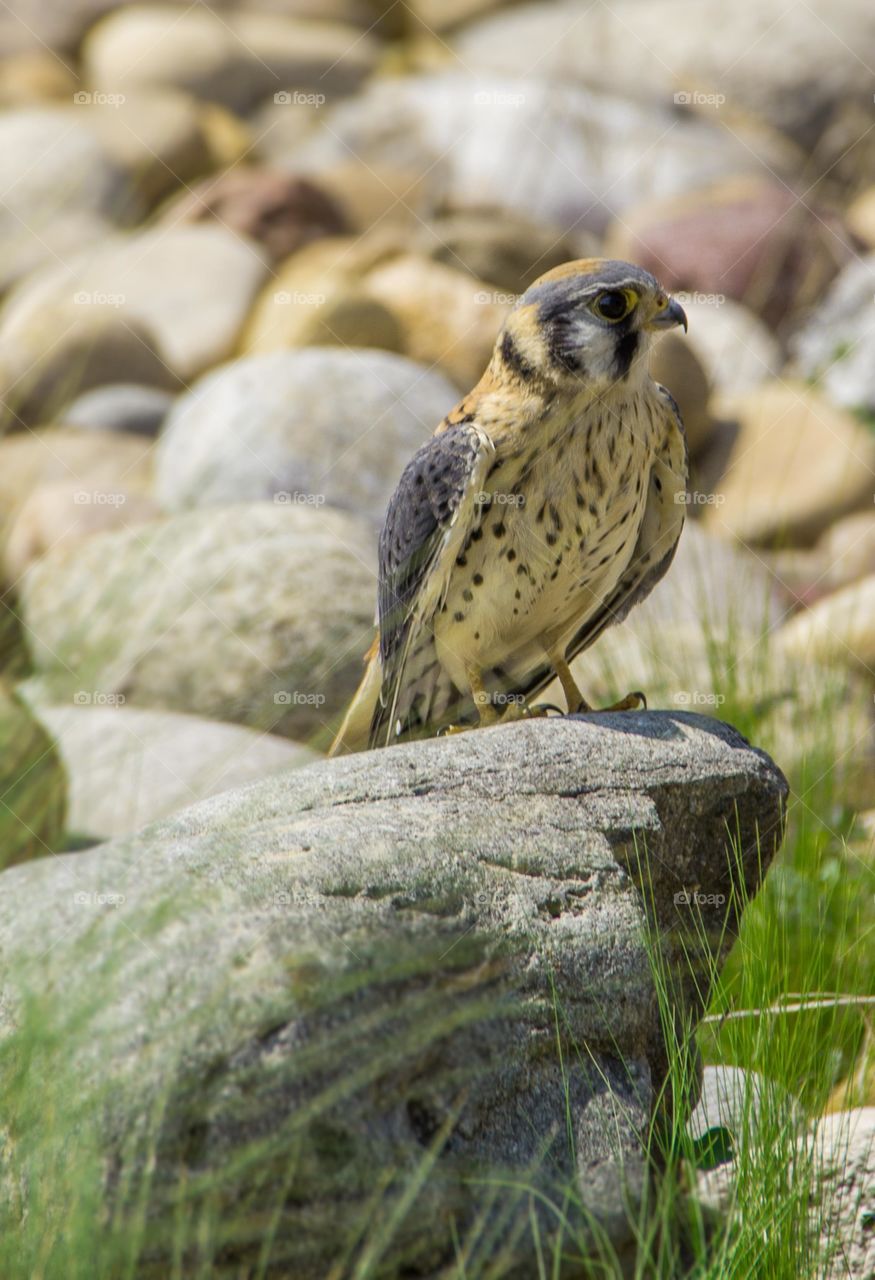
545 505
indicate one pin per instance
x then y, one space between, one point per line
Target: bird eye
614 304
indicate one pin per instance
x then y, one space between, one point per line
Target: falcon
547 503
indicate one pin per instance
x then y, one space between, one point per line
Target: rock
374 199
838 629
860 217
61 514
497 245
280 211
848 549
190 287
67 456
363 961
155 136
787 68
303 427
317 298
233 59
844 1150
835 348
448 319
550 152
127 766
34 79
57 199
797 464
749 239
52 353
677 367
736 348
120 406
257 614
32 784
441 15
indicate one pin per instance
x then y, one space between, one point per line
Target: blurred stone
447 318
798 463
441 15
156 137
190 287
747 239
860 217
66 455
282 212
838 629
836 347
66 512
848 548
127 766
34 78
32 784
706 640
120 406
228 138
304 427
317 297
51 354
61 189
256 614
233 59
677 367
509 250
736 348
790 67
550 152
382 198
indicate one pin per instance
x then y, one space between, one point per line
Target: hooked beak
669 317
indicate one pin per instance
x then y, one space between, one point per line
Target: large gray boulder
420 972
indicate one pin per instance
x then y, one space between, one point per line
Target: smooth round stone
313 428
120 406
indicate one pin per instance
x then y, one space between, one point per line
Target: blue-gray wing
430 515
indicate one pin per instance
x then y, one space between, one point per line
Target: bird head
587 324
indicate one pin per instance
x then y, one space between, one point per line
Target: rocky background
251 253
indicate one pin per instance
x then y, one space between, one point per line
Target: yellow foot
632 702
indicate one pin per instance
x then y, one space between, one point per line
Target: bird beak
669 317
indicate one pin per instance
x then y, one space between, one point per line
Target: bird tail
355 731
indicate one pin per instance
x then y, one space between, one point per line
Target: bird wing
429 518
658 536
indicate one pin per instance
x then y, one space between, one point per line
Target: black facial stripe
624 351
514 359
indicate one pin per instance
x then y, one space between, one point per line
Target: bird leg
575 700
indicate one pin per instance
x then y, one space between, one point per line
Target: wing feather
429 518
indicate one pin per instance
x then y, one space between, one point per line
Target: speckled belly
537 568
